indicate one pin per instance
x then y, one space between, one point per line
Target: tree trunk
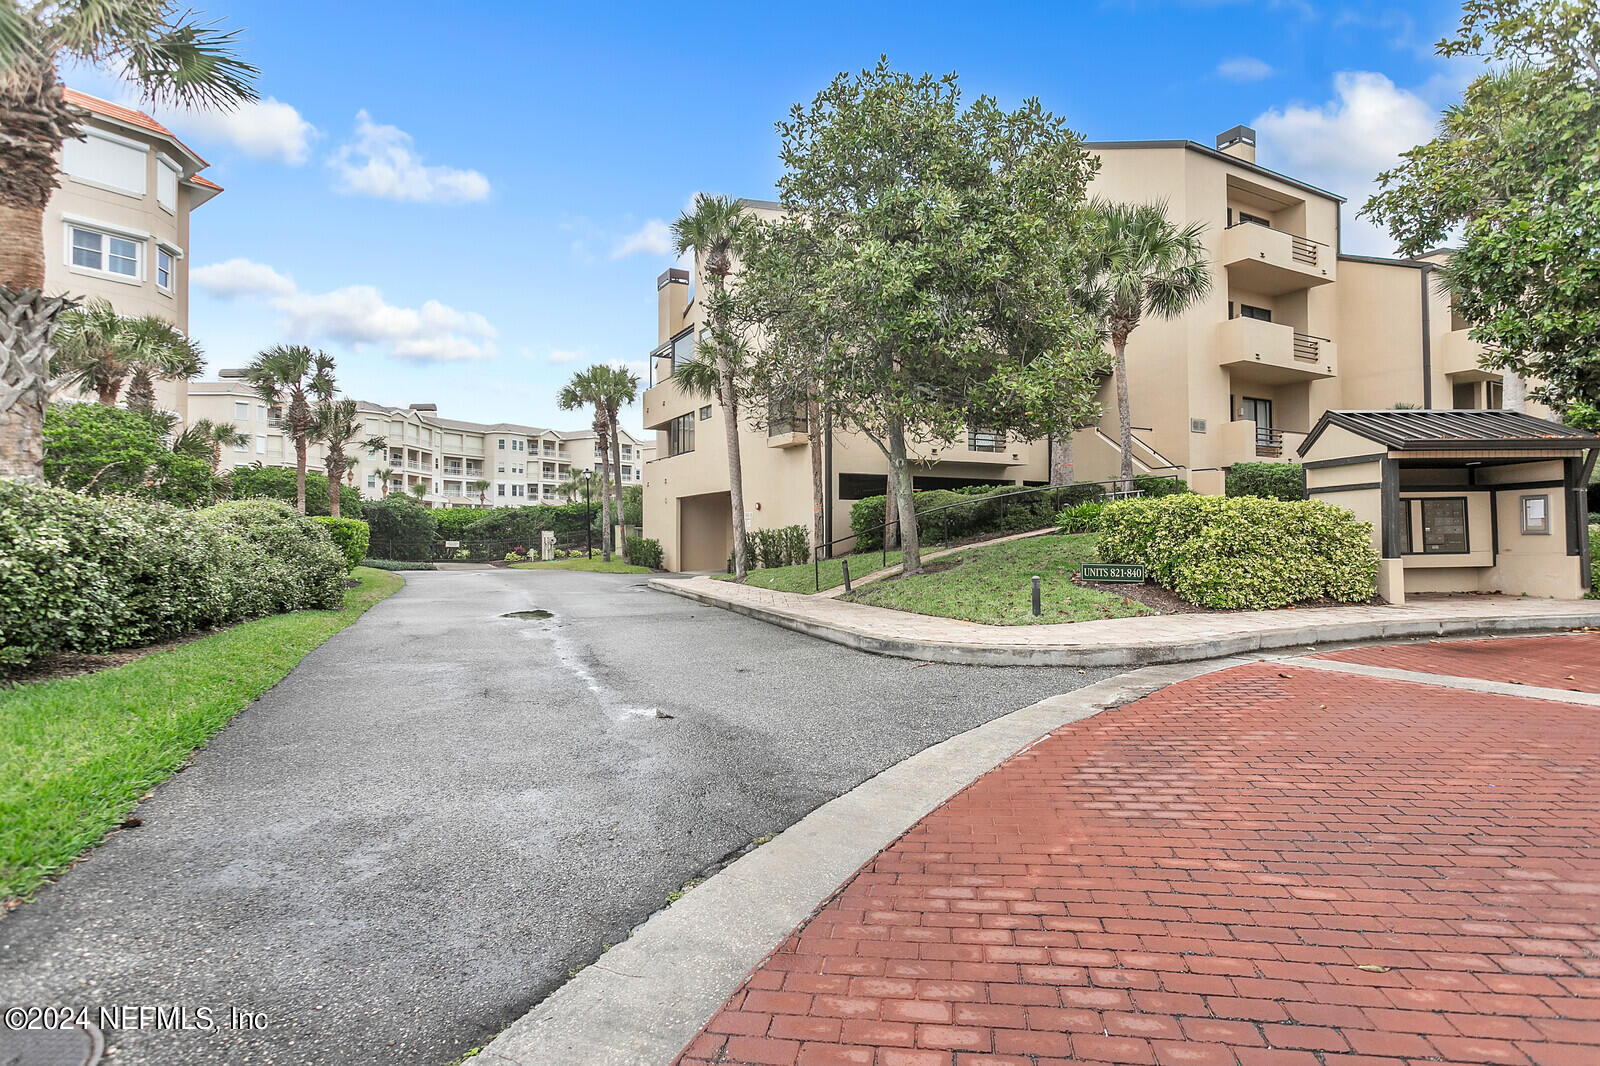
335 476
22 252
300 472
605 504
891 504
1124 413
106 392
905 499
1514 393
616 465
730 429
819 498
28 322
1061 460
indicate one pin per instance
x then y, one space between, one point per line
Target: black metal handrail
1108 490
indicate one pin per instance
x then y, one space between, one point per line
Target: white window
105 252
241 411
108 161
499 490
261 444
500 444
501 469
242 446
167 183
261 416
372 481
164 269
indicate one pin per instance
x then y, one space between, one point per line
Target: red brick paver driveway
1269 866
1569 662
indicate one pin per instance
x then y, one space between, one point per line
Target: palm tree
713 228
205 439
619 388
418 490
481 487
1141 263
591 388
97 350
284 376
172 53
336 424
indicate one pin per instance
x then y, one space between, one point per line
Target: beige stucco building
117 228
447 457
1290 329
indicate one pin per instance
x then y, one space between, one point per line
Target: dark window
1245 216
985 440
786 416
1444 526
1496 395
705 412
680 434
1464 395
860 486
1260 313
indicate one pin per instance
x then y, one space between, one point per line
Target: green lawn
802 578
76 754
993 584
596 565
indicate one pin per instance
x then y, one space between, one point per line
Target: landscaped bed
803 577
595 565
76 754
992 584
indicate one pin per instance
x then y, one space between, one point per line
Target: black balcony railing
1308 349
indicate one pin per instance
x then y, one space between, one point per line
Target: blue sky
465 210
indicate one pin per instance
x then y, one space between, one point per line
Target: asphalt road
414 837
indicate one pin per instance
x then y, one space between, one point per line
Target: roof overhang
1464 432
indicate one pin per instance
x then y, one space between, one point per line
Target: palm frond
176 59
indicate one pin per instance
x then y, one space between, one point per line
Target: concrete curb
1292 633
646 998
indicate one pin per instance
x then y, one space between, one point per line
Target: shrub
277 483
451 523
396 564
1272 481
101 451
984 510
400 529
350 535
1154 485
92 575
643 551
1080 518
779 547
1244 552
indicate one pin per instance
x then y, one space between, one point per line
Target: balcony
1274 353
1242 441
452 471
1458 353
1272 261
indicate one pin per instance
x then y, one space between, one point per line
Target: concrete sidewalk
1131 641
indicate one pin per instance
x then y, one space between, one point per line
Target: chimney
672 300
429 407
230 373
1239 142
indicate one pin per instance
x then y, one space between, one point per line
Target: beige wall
136 217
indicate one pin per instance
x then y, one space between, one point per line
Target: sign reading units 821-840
1129 572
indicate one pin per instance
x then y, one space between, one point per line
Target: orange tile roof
206 182
127 116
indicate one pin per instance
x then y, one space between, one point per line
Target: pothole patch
526 615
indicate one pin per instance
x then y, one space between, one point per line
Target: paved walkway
1562 663
1271 865
1129 641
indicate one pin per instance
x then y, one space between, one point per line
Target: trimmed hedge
1272 481
400 528
1245 552
350 535
641 551
92 575
985 511
787 546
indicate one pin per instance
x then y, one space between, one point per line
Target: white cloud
356 315
558 356
1342 144
654 237
263 129
381 162
1244 68
241 277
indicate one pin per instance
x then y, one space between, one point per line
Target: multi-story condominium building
1291 328
459 464
117 228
